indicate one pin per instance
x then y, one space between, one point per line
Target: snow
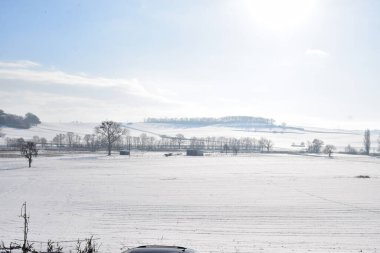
50 130
250 203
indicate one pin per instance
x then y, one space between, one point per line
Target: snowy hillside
49 130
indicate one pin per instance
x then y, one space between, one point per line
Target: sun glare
280 15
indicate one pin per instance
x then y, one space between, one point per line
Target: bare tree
367 141
265 143
315 146
235 146
15 142
111 132
36 139
261 144
350 150
91 141
20 142
76 140
70 138
143 140
43 142
193 142
59 139
180 138
268 145
329 149
87 139
226 148
28 150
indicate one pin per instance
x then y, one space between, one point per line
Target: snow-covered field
257 203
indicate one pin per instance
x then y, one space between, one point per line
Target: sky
302 62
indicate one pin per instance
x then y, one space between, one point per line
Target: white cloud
57 107
19 64
110 98
316 53
19 71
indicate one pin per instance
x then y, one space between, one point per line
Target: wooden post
25 217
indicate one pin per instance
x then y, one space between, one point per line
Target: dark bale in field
194 152
125 152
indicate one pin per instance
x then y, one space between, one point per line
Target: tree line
16 121
111 135
95 142
317 146
213 121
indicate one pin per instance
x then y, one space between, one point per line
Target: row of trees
16 121
366 143
212 121
111 135
316 146
18 142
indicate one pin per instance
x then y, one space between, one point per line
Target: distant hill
16 121
225 121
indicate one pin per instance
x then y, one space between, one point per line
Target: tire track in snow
338 202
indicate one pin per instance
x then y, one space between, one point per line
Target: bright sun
280 15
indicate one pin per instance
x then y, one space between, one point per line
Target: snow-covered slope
49 130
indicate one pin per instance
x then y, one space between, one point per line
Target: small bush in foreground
89 246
